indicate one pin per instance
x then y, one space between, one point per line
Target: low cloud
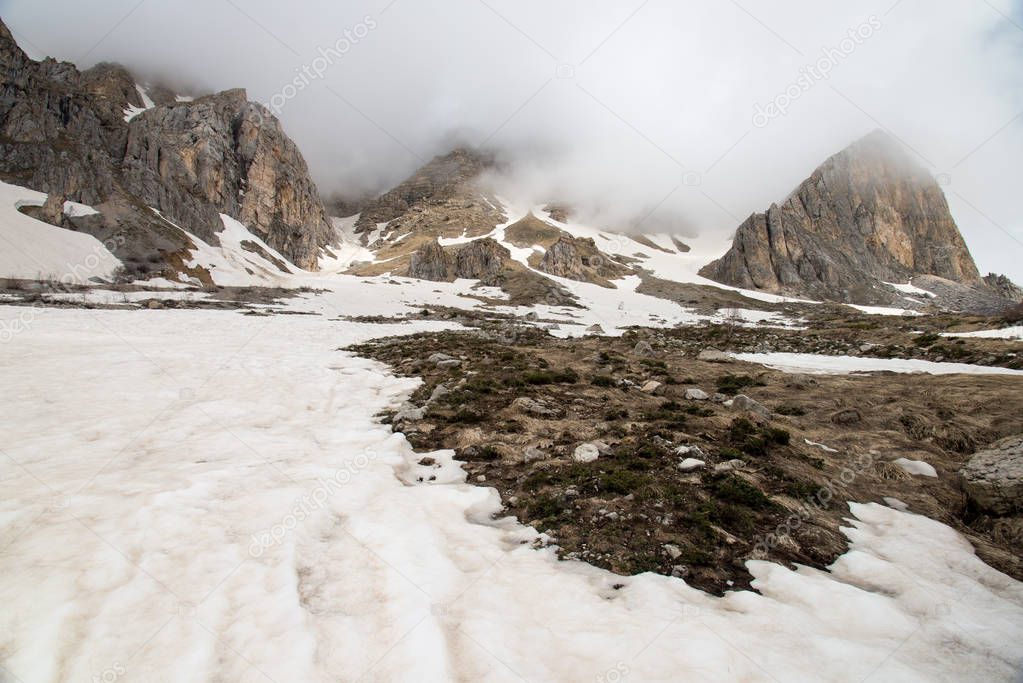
684 116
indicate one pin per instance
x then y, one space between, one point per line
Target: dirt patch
593 441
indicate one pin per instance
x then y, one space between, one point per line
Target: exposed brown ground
633 510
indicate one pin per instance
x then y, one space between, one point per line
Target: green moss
733 384
732 489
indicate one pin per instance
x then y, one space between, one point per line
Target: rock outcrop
431 262
993 478
64 132
223 154
482 260
868 214
1004 287
577 258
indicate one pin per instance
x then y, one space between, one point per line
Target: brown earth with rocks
635 455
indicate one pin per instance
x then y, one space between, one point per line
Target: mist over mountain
685 116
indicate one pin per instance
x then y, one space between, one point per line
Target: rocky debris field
651 452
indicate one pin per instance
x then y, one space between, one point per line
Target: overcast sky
670 110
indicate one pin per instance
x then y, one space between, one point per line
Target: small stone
643 348
532 454
449 364
530 406
730 466
481 477
747 404
693 394
154 304
691 464
674 552
714 356
595 329
440 391
586 452
652 387
849 416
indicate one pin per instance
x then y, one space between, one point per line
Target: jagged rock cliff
868 214
65 132
223 154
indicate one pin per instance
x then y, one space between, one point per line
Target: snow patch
842 365
916 467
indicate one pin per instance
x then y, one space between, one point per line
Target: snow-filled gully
208 496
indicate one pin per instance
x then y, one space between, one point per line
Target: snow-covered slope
32 249
194 504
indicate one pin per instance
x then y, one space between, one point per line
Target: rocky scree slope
66 132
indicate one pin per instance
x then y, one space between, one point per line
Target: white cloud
657 90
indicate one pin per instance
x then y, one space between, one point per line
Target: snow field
204 495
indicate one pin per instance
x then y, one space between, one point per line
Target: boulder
993 478
693 394
747 404
652 387
691 464
714 356
846 417
586 452
529 406
644 349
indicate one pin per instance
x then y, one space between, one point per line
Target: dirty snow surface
197 495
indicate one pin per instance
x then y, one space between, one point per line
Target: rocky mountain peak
65 132
868 214
442 179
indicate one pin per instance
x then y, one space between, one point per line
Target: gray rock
586 452
846 417
693 394
993 478
730 465
482 260
747 404
431 262
643 348
577 258
439 392
533 454
529 406
409 412
691 464
449 364
63 132
652 387
714 356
